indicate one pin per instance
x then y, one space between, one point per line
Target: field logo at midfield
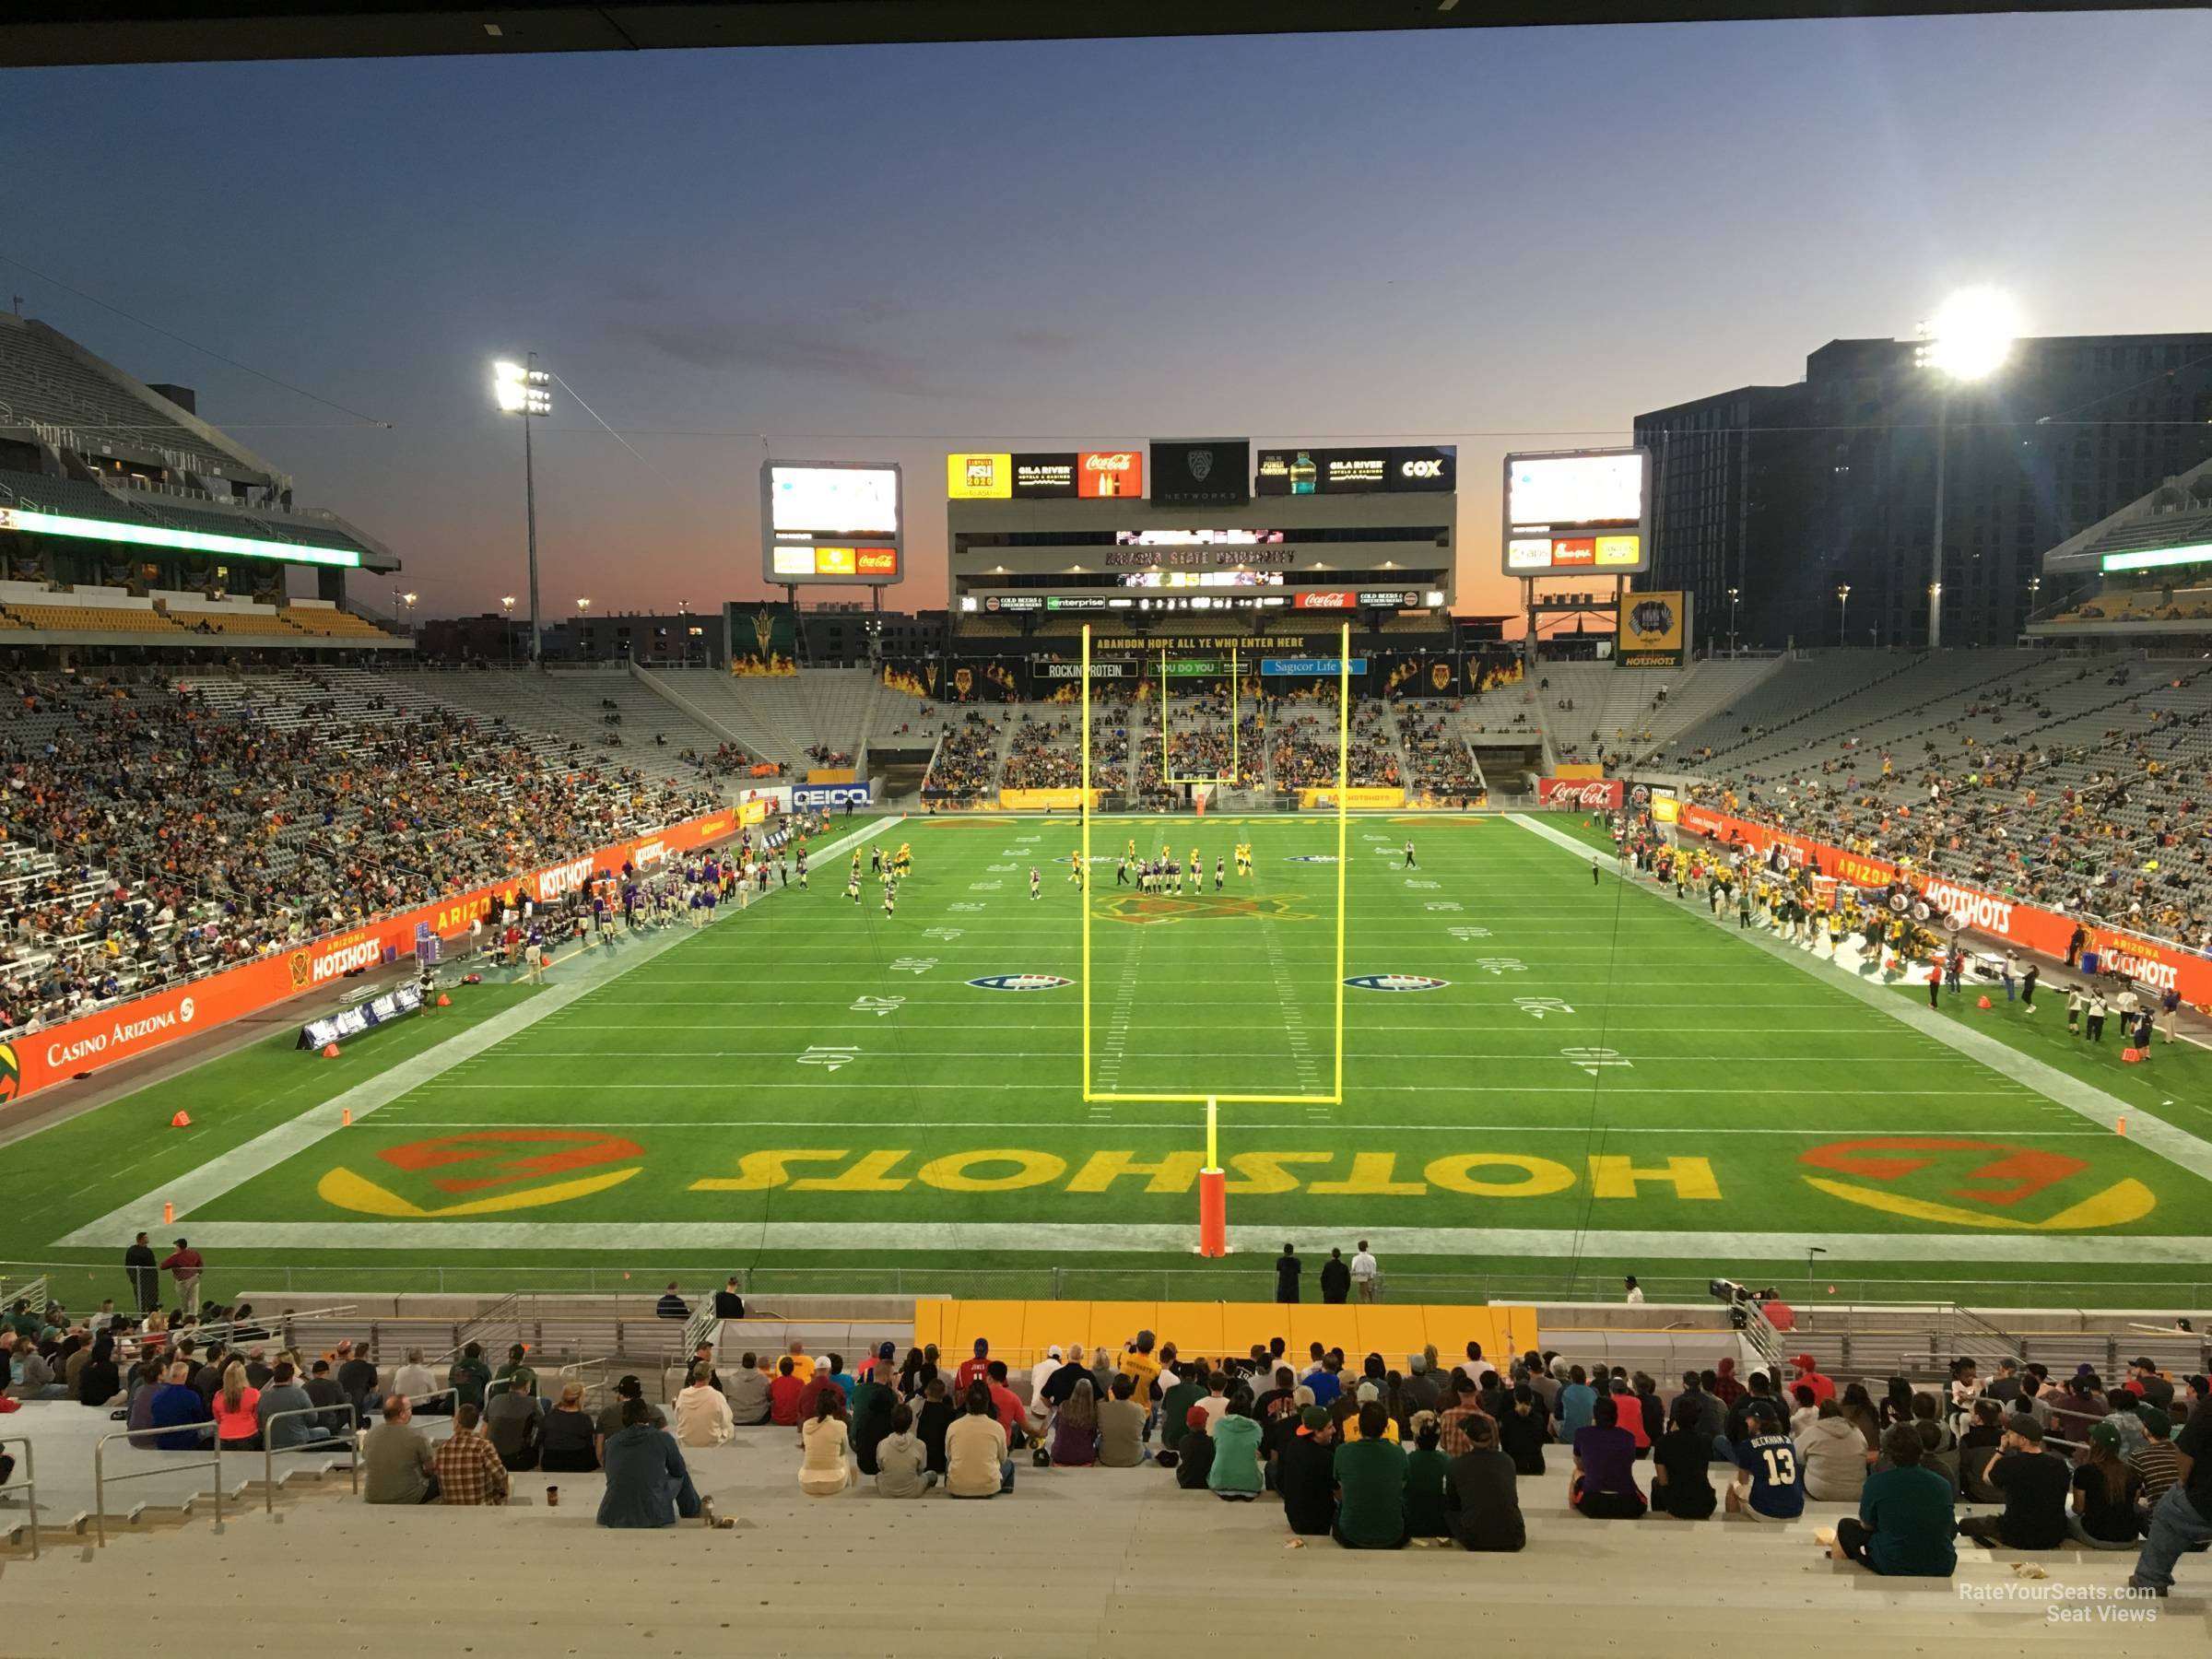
516 1156
1146 909
11 1072
1316 857
1021 981
1979 1183
1396 981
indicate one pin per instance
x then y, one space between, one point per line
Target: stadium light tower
1843 613
526 390
1969 340
1734 594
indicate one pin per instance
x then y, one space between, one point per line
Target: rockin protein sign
1580 795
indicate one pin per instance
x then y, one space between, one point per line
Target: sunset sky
1498 239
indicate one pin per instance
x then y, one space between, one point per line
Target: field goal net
1199 1092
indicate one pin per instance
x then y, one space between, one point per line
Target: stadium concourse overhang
148 32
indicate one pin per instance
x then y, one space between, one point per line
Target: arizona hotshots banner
2157 963
1654 631
136 1028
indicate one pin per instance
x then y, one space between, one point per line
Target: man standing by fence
144 1276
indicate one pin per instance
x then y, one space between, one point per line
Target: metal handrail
578 1367
268 1448
27 1484
101 1478
274 1329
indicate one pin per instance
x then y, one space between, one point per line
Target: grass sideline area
1550 1080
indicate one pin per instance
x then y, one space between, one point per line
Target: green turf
838 1130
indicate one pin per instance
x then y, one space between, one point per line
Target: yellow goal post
1334 1097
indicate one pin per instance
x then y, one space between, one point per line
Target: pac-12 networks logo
1396 981
1021 981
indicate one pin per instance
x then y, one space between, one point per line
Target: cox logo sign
832 795
1421 469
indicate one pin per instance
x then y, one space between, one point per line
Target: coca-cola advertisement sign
1580 795
1110 472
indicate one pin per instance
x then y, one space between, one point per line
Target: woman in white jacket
825 1465
703 1415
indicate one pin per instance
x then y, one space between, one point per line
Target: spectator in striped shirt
468 1469
2156 1460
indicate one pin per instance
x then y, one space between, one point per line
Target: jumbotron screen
831 522
1578 513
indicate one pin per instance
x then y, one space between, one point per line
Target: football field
1524 1079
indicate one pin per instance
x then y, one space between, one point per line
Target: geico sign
120 1036
831 795
1981 911
562 879
1421 469
348 957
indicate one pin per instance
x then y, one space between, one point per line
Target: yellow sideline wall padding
1019 1332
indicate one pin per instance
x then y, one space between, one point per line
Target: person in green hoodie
1426 1471
1235 1476
1904 1525
1371 1486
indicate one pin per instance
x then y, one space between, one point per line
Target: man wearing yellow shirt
1143 1371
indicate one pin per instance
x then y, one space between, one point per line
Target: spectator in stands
1195 1461
872 1423
2106 1493
786 1394
468 1376
100 1379
356 1375
2155 1460
1371 1486
1122 1426
627 1388
468 1469
702 1415
1305 1474
1857 1406
1578 1403
1603 1484
973 1370
728 1305
1681 1462
178 1408
517 1366
1482 1497
1075 1429
933 1420
1980 1442
1834 1455
1428 1472
283 1395
1188 1389
510 1422
1235 1474
236 1426
648 1484
1524 1431
671 1304
2035 1485
185 1265
414 1379
977 1462
901 1460
1903 1528
397 1465
1336 1277
2143 1376
825 1446
568 1437
2183 1516
746 1392
1770 1482
324 1393
1804 1410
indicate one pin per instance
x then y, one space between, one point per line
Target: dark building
1788 493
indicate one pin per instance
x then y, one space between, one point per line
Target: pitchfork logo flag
1654 631
1205 472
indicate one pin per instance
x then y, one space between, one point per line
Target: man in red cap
1808 1373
